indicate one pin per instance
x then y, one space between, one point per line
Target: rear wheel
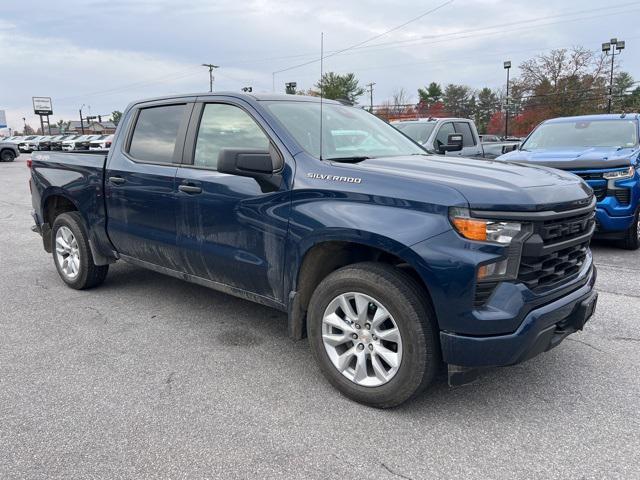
631 240
371 331
72 254
7 155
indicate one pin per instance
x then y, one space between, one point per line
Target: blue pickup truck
605 151
393 262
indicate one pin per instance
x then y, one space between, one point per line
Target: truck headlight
619 174
483 230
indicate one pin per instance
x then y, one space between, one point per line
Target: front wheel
631 240
371 331
7 156
72 253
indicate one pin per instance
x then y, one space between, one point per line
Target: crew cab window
226 126
154 136
443 134
467 136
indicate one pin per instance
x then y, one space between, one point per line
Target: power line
375 37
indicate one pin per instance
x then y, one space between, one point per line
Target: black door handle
117 180
190 189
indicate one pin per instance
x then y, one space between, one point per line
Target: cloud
106 53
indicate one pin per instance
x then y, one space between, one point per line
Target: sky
104 54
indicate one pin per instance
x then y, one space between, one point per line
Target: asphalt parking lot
150 377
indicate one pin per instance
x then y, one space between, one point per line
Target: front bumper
542 329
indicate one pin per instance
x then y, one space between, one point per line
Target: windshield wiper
354 159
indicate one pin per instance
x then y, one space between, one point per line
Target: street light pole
613 47
210 66
507 67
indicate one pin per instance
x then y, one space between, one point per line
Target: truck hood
487 184
574 158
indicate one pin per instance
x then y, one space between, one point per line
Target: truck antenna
321 85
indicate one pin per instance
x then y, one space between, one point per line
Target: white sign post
3 119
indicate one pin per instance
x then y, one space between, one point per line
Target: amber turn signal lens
471 228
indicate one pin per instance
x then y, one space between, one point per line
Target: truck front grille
545 271
556 250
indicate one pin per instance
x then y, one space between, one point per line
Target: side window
467 136
154 136
226 126
443 134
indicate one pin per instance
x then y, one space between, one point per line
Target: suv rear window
155 133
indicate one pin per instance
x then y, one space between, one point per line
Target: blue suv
604 151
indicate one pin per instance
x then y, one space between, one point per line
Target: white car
78 143
24 143
101 143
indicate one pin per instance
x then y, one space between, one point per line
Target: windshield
604 133
417 131
347 131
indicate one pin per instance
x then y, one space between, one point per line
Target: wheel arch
318 259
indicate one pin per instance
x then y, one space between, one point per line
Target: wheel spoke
345 359
361 366
389 335
378 369
336 339
345 304
362 307
335 321
380 316
387 355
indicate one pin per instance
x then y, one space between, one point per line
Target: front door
231 229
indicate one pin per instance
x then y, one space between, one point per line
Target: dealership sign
3 119
42 106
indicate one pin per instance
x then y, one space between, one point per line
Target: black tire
631 240
408 304
89 274
7 155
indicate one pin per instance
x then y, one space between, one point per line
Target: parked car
101 143
433 133
390 259
57 143
40 143
8 151
80 142
604 150
25 142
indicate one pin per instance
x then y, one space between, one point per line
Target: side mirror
454 143
264 166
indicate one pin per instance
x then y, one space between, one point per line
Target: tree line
564 82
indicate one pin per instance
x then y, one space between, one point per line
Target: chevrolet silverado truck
605 151
433 135
393 262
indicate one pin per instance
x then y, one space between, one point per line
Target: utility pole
81 120
614 48
210 66
370 85
507 67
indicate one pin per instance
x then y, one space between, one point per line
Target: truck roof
246 96
594 118
432 119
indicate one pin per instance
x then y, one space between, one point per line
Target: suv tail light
29 162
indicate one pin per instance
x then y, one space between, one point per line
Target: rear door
140 183
231 229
